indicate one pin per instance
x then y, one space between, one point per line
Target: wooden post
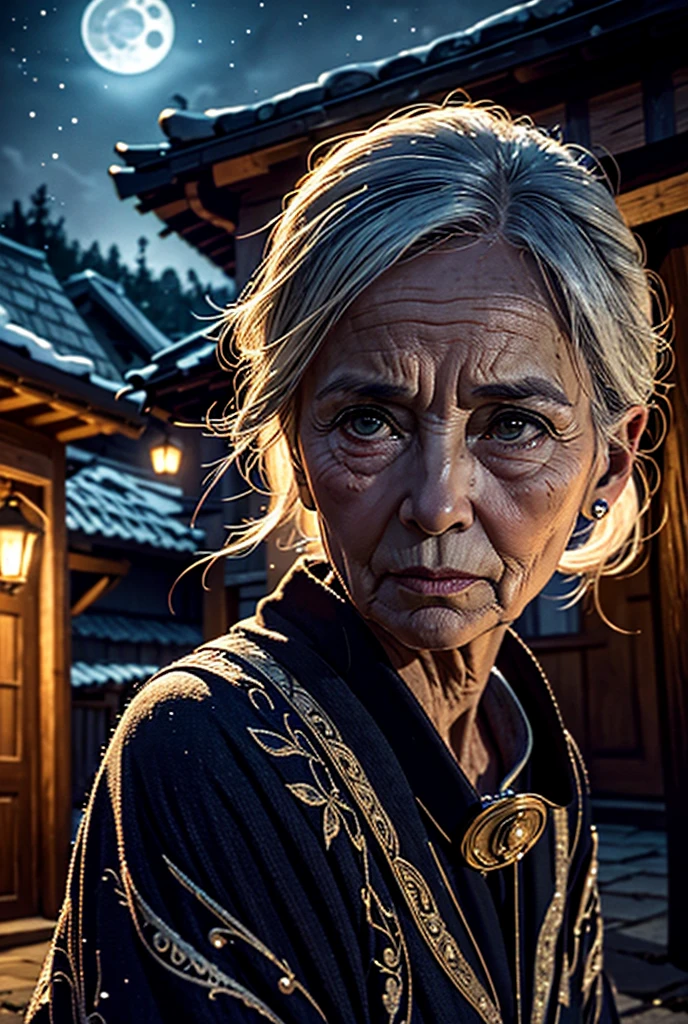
672 579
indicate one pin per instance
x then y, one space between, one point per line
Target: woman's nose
440 498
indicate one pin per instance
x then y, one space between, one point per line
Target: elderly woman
362 805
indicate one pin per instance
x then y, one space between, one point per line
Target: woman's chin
437 627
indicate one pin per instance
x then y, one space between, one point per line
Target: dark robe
275 833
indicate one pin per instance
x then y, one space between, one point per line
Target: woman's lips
431 582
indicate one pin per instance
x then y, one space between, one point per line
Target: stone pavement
19 970
633 884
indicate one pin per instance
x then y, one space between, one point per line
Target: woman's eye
366 425
515 429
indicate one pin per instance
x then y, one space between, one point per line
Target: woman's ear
621 453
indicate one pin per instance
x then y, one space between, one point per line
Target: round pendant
504 831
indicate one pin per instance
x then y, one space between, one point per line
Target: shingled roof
102 673
106 502
189 369
54 374
111 296
531 57
319 103
35 300
117 628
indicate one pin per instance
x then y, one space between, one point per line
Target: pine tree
92 259
113 264
14 224
169 303
143 279
39 219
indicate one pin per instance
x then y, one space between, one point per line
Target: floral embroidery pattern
337 816
416 891
182 959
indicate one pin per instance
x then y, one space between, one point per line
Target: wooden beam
33 467
54 739
19 400
196 203
577 121
671 582
92 594
660 199
252 165
169 210
88 429
100 423
80 562
55 415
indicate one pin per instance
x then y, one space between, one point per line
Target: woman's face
448 444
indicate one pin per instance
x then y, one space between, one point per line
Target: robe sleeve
197 891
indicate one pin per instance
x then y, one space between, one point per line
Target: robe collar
311 602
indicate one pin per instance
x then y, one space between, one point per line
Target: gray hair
402 187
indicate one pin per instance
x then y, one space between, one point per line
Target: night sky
62 113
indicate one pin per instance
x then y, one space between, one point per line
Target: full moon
127 36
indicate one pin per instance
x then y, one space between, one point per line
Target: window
547 614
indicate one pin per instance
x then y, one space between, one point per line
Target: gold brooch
504 831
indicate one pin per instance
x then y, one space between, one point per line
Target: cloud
203 96
16 159
92 184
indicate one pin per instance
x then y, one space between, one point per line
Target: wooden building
93 620
55 388
613 77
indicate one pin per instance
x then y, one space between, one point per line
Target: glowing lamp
166 457
17 543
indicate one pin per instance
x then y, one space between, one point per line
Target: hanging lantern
17 543
166 457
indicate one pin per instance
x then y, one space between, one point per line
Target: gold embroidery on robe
337 816
416 891
545 954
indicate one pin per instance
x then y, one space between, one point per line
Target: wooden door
606 685
18 749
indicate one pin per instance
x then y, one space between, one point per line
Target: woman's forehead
447 280
480 311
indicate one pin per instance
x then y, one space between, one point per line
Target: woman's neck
449 685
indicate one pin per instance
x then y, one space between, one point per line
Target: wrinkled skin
422 466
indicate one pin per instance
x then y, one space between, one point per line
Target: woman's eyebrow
526 387
376 390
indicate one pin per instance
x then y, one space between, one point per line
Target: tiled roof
29 361
184 358
128 629
39 350
531 58
310 102
107 502
524 33
102 673
35 301
111 295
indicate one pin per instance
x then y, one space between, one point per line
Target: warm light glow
166 457
17 542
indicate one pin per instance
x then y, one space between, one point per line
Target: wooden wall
35 768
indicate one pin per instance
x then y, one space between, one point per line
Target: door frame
27 457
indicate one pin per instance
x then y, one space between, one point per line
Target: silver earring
599 508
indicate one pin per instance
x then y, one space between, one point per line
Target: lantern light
166 457
17 543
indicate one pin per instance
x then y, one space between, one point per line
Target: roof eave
475 67
87 400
